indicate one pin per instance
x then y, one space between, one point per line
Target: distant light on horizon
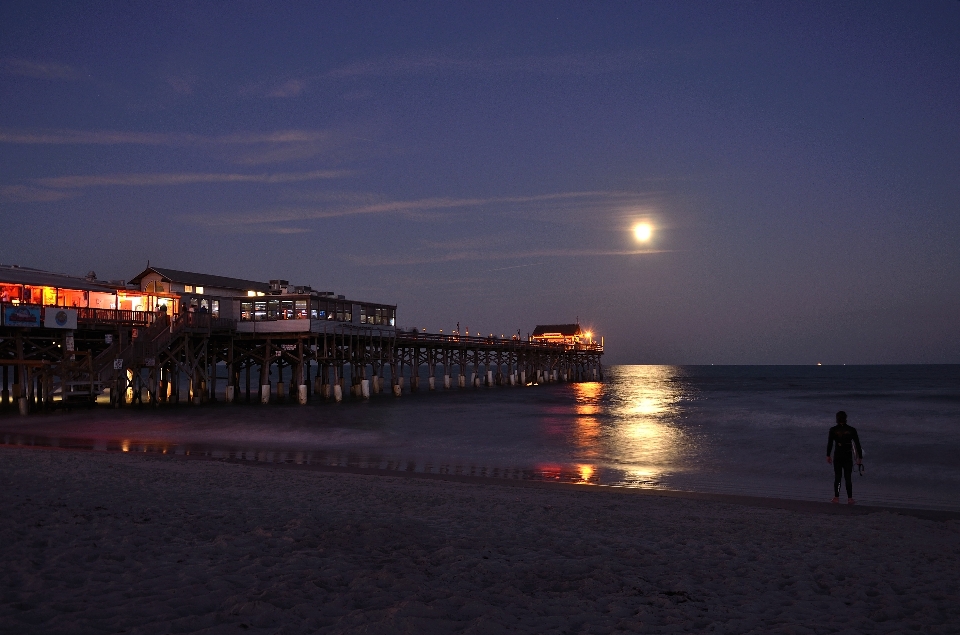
643 232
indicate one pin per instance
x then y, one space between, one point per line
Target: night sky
485 163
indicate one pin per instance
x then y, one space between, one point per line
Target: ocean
752 430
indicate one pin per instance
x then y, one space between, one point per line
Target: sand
94 542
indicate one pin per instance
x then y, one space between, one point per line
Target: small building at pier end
565 334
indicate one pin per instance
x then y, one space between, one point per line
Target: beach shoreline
149 543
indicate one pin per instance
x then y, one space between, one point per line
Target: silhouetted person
848 450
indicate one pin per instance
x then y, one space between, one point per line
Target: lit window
199 289
188 288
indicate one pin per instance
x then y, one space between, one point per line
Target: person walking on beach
848 450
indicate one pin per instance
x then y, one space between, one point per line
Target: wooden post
248 364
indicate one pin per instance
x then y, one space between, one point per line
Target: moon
642 232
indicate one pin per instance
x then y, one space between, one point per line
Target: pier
172 337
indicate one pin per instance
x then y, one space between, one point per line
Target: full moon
642 232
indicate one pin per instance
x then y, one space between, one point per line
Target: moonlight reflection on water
745 430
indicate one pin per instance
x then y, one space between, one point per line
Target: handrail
114 316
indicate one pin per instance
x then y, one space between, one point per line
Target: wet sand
95 542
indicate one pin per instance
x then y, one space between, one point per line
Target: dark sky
485 163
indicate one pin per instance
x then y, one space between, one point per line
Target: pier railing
472 340
202 322
114 316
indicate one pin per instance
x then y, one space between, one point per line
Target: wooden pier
197 358
292 354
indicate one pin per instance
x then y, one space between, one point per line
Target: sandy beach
95 542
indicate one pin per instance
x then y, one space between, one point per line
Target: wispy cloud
28 194
243 148
577 64
185 178
181 85
473 255
570 64
532 264
37 69
120 137
289 88
413 207
91 137
268 229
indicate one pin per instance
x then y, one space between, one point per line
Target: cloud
570 64
93 137
185 178
242 148
120 137
37 70
181 85
28 194
532 264
290 88
577 64
413 207
472 254
247 229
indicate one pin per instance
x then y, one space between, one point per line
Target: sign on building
54 318
21 316
118 364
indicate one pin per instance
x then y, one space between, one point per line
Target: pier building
172 336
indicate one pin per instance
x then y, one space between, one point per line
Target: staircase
151 340
79 384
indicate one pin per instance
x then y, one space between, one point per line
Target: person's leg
836 478
847 474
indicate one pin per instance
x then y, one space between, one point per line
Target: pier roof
12 274
563 329
203 280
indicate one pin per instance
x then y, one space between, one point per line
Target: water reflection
627 426
623 431
643 409
585 473
587 426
